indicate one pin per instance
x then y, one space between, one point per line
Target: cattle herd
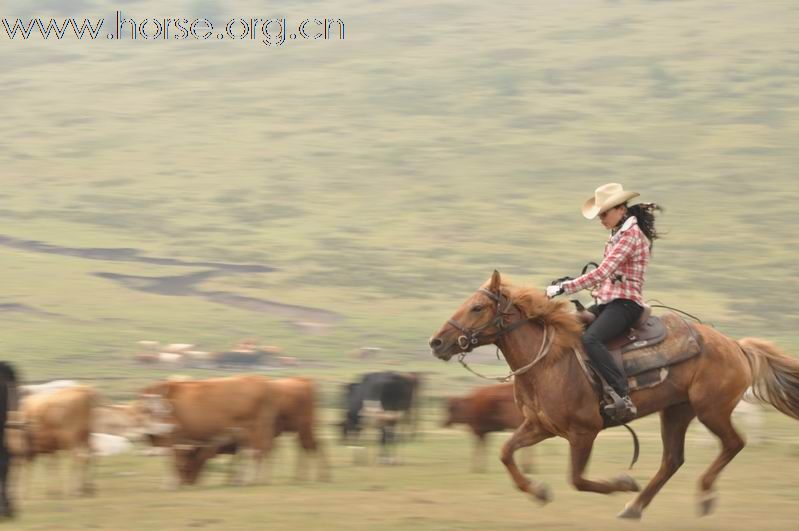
192 421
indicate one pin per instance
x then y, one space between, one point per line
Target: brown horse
539 339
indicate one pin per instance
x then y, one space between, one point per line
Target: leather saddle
644 353
647 331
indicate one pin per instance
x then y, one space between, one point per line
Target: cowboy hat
606 197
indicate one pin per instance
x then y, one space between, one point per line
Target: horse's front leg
581 444
528 434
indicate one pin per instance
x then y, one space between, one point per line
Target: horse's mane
553 314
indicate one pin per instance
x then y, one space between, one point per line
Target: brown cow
210 413
296 403
297 414
60 420
485 410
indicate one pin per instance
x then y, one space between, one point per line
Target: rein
661 305
541 353
471 337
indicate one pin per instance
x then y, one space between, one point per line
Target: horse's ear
496 282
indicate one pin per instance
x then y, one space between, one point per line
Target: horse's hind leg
527 434
527 460
674 421
719 422
581 444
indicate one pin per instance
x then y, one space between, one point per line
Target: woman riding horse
620 278
539 339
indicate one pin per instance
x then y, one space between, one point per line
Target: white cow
46 388
116 427
105 445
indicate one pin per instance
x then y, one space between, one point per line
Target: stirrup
618 405
620 410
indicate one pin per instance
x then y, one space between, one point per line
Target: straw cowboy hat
606 197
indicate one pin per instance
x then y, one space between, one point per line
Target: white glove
554 291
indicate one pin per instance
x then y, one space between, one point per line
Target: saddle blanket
649 366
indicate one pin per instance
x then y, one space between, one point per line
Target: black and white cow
385 401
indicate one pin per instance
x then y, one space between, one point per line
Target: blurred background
324 196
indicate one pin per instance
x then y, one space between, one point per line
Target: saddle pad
681 343
648 379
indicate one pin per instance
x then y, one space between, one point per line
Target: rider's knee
590 339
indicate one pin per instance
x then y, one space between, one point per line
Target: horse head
478 321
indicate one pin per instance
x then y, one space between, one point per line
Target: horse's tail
775 375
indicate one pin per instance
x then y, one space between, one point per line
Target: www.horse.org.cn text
268 31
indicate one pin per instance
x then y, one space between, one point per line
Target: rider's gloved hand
554 290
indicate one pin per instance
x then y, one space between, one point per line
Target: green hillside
376 181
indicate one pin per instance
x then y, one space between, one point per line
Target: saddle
647 331
644 352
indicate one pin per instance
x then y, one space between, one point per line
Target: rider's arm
617 255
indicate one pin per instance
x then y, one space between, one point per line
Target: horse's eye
477 308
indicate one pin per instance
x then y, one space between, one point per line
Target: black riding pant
612 320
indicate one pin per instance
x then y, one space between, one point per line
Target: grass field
207 191
434 489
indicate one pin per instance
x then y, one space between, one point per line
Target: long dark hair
644 213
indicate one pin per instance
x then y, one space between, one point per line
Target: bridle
471 337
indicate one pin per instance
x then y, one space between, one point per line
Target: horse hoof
543 493
626 483
630 512
707 503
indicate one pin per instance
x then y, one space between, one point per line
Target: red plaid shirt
621 273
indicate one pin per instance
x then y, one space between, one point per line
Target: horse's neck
552 372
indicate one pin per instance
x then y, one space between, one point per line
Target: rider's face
610 218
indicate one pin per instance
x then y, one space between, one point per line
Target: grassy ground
434 489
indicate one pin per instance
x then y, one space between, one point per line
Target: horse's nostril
436 343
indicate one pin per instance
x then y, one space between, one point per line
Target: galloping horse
540 339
